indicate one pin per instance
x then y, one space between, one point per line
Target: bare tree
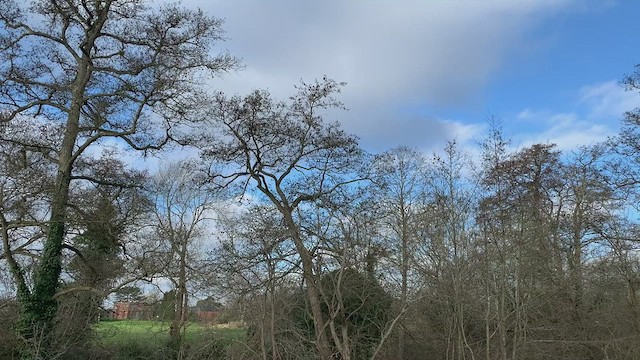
452 244
105 69
258 268
402 176
182 210
293 159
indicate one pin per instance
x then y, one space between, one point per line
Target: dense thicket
526 253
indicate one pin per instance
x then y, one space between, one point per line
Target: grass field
157 332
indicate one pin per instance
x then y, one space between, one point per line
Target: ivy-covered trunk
38 309
66 68
40 306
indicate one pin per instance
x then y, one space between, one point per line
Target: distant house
132 310
206 311
138 310
205 316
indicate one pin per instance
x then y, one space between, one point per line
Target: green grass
157 332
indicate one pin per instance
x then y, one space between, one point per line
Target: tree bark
180 315
313 294
39 309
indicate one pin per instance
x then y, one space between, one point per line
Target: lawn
157 332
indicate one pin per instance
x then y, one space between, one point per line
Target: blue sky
421 72
581 57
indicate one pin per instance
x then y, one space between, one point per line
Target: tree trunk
180 316
40 307
313 293
405 271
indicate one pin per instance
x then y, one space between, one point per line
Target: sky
422 72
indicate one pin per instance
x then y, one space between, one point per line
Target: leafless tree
95 70
292 159
183 209
402 177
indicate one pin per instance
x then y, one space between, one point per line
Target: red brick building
134 310
205 316
138 310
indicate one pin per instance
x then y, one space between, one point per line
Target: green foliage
39 307
355 301
166 308
209 304
98 248
129 293
365 308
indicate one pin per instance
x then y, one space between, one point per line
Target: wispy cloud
568 131
602 105
608 100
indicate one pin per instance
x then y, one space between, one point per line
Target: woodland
313 247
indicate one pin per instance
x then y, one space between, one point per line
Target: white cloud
608 100
390 53
571 135
385 128
601 106
526 114
434 50
567 130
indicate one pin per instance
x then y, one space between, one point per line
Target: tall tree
98 70
293 159
182 209
451 238
498 249
402 176
525 205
